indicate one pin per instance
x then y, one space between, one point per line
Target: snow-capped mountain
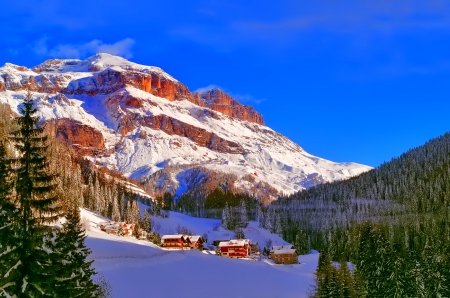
138 119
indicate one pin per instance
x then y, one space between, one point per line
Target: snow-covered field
137 268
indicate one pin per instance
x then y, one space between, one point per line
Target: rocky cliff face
138 119
85 139
219 101
110 80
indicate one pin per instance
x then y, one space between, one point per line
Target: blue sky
359 81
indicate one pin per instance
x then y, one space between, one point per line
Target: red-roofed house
235 248
196 241
175 241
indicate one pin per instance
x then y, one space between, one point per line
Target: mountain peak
137 119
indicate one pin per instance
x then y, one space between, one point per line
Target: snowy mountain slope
138 119
137 268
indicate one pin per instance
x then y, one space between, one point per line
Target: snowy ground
137 268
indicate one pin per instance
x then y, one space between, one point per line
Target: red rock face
109 80
219 101
199 135
83 138
128 121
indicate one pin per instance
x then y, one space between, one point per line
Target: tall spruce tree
147 222
33 273
226 217
8 244
74 276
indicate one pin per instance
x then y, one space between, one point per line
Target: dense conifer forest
391 223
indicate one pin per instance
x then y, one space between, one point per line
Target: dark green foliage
8 244
146 222
212 205
154 237
403 251
75 272
336 281
35 263
239 233
36 259
167 201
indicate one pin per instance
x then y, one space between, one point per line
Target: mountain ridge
138 119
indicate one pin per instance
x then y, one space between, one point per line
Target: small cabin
284 254
142 234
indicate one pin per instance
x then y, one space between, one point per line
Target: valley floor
136 268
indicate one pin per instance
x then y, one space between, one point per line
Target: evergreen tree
136 214
226 217
346 281
241 214
324 276
33 273
278 226
8 245
115 214
129 217
239 233
147 222
74 275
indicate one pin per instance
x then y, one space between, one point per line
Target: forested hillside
392 222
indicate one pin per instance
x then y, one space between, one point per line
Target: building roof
278 247
195 238
285 251
172 237
234 242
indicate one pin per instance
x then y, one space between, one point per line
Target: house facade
284 254
235 248
196 242
175 241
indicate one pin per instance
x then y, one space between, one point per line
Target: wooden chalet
175 241
284 254
196 241
235 248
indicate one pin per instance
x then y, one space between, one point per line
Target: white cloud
120 48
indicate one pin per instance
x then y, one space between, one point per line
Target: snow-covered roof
194 238
234 242
172 237
277 247
284 251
